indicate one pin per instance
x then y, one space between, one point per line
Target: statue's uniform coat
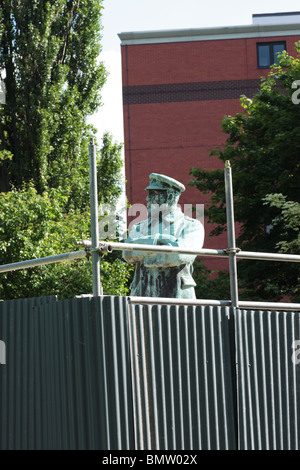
165 274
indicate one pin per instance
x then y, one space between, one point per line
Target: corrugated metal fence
66 383
184 389
268 368
101 373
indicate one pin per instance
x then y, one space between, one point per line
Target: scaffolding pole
283 306
108 247
231 236
32 263
97 286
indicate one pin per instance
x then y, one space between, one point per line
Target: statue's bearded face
156 196
162 200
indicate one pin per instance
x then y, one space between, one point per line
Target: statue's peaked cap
158 181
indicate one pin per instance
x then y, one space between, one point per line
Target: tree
35 225
110 180
263 147
50 53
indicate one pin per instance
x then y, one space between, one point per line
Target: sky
144 15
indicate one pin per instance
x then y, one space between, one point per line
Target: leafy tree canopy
49 51
263 146
49 61
110 164
35 225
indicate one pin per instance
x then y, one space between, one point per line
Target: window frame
271 45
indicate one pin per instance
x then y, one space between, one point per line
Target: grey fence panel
17 378
183 387
268 379
99 373
66 383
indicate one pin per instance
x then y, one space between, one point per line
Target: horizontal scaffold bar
222 303
32 263
110 246
172 301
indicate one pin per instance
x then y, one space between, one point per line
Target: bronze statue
164 274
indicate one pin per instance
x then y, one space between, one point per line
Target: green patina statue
164 274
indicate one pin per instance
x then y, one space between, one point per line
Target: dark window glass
263 56
277 49
267 53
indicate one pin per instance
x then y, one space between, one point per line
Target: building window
267 53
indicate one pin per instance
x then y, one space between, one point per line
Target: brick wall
199 61
175 96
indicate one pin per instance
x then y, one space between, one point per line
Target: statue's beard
161 211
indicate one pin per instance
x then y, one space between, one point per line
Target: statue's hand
137 256
163 239
160 260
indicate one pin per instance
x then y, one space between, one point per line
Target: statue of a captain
164 274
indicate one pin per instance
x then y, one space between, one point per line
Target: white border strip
209 34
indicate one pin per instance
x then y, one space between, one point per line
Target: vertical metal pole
97 287
231 236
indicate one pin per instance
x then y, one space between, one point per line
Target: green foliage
34 226
289 221
210 284
116 276
49 51
110 171
263 147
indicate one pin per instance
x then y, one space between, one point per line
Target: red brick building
178 85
